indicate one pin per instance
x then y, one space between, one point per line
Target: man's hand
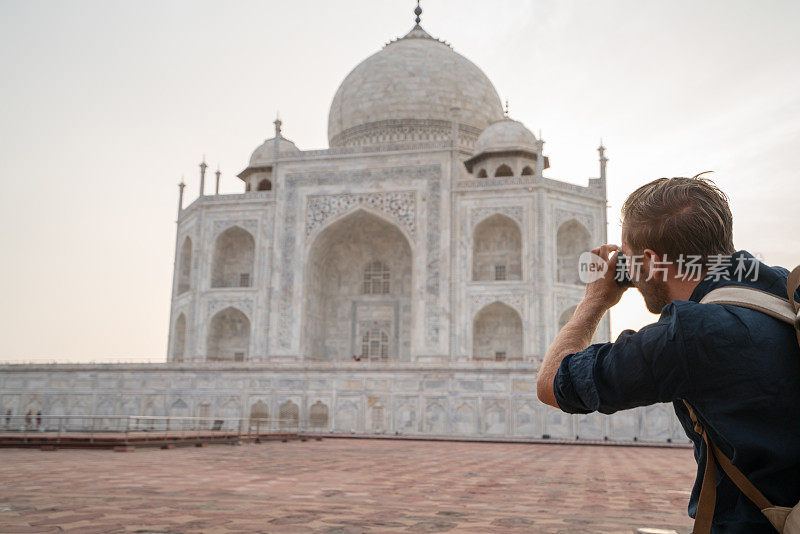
605 292
577 334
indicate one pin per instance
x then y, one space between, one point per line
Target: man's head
670 219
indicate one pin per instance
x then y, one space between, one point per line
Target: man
738 368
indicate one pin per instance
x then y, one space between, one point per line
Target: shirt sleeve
638 369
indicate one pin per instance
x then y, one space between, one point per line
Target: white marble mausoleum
408 278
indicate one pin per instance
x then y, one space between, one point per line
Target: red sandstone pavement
347 486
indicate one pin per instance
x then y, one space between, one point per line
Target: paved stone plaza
348 485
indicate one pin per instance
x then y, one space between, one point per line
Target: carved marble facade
407 279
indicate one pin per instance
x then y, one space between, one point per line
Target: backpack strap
786 310
754 299
792 283
708 490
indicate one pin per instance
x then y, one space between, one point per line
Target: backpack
785 520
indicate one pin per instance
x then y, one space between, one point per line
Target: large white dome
407 91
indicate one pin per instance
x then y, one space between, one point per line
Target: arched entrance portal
358 292
572 240
228 336
497 250
497 333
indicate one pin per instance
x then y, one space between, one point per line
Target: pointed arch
435 418
482 173
497 333
572 240
228 336
204 413
264 185
359 249
465 420
289 415
497 249
495 419
527 171
503 171
234 252
179 408
318 415
179 339
185 266
358 210
229 413
259 415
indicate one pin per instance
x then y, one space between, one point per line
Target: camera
621 274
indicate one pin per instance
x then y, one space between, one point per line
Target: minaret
540 156
216 188
278 123
203 168
603 160
180 196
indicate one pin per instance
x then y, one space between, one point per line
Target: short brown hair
675 216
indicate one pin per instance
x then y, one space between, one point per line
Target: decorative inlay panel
515 300
251 225
562 216
398 205
512 212
244 305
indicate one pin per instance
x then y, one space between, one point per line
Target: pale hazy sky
105 104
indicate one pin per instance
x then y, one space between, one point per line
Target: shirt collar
735 269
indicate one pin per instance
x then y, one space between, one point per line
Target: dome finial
506 111
417 12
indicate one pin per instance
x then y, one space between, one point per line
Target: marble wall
464 399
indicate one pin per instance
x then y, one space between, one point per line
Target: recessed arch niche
339 312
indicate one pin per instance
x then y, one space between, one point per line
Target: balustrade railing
148 427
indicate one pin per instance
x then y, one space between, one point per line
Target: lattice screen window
244 280
375 345
288 414
376 278
500 272
499 356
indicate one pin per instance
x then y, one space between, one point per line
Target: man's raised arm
577 334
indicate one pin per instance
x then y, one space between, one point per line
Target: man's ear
649 257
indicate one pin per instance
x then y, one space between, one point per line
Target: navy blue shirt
738 368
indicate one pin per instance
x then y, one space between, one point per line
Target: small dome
413 84
506 134
266 152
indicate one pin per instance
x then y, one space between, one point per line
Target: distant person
39 421
736 370
8 419
28 419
